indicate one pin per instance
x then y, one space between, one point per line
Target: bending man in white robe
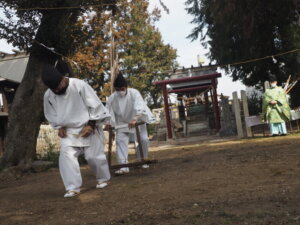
72 107
127 107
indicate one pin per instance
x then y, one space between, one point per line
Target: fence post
266 85
237 113
246 111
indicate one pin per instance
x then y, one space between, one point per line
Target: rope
65 7
212 67
257 59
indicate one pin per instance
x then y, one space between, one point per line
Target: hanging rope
66 7
213 67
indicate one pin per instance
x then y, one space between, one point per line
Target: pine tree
236 31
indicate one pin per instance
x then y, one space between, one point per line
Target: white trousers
122 140
94 154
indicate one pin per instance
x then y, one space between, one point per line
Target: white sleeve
108 105
50 111
142 111
96 109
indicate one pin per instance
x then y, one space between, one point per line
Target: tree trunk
26 111
27 108
25 118
154 97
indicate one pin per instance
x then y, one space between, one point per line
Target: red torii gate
212 87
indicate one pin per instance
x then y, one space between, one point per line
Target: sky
175 27
4 47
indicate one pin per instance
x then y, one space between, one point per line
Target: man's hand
132 123
107 127
62 132
86 131
273 102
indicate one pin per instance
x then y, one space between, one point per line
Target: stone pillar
237 113
227 125
246 112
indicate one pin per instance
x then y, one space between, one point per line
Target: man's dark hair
120 81
51 77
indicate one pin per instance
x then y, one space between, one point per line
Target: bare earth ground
214 182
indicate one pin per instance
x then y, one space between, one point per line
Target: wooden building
12 70
191 82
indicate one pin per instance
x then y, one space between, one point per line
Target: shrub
254 103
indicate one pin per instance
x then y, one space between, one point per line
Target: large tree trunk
156 103
25 118
26 112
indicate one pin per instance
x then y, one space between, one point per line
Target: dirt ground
254 181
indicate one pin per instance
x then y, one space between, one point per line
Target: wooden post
185 128
134 164
206 102
110 140
4 104
246 111
167 111
137 132
113 58
216 106
237 113
291 127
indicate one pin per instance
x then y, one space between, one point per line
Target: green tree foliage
25 19
142 55
93 55
254 103
147 58
236 30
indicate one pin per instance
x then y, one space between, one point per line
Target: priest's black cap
51 77
272 78
120 81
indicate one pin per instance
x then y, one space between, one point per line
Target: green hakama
276 115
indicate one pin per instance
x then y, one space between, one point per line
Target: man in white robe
72 107
127 108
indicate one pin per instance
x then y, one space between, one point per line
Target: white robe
73 110
124 109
